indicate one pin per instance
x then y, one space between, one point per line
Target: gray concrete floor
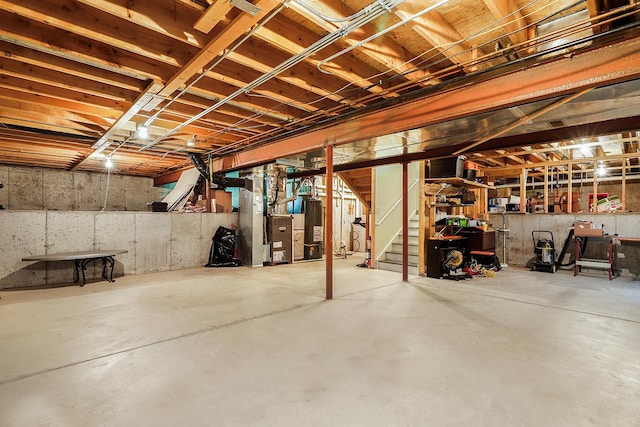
261 347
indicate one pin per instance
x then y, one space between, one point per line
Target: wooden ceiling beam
28 148
50 113
70 98
602 66
66 66
498 171
65 81
210 123
213 15
434 28
348 67
594 7
232 111
62 44
11 134
168 18
516 159
236 28
10 92
33 121
281 91
262 57
382 53
212 91
510 18
97 26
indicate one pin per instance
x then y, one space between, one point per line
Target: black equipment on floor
313 231
566 249
544 250
223 249
445 256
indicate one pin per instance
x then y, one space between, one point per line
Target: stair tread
390 261
400 252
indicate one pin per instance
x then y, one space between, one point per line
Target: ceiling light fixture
143 132
602 170
108 163
191 142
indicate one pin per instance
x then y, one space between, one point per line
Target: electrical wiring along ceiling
144 82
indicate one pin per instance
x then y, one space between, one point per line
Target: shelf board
459 182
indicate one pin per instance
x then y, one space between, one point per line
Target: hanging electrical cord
106 193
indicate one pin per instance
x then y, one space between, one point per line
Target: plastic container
470 171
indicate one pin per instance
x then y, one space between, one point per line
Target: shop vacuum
544 250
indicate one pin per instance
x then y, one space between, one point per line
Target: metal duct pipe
199 163
216 177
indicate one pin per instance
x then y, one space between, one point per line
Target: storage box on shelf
587 229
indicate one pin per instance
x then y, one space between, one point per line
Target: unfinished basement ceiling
571 123
78 79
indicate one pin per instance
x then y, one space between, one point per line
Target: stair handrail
396 204
381 253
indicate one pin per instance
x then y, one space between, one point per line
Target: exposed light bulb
602 170
191 142
143 132
108 163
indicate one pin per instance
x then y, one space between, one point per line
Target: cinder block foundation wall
154 241
520 247
43 188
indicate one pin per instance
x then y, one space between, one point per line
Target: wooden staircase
392 258
359 181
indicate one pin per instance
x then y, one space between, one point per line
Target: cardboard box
495 193
587 229
610 204
482 179
221 201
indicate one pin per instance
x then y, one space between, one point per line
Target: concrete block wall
154 241
520 246
54 189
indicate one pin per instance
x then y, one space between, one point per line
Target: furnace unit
280 238
313 231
